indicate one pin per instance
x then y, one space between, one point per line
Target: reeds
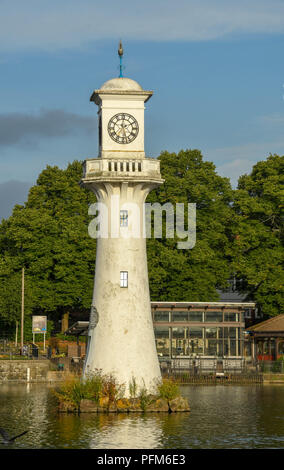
105 391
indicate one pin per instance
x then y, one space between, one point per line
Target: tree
192 274
238 232
257 248
49 237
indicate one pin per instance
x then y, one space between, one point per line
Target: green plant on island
168 389
94 387
111 389
74 390
133 388
104 390
67 393
144 398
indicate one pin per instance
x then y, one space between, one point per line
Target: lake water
221 417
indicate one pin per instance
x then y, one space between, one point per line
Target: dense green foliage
257 250
192 274
168 389
105 390
93 387
49 237
238 232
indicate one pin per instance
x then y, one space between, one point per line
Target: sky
216 68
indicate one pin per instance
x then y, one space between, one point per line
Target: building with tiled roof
267 339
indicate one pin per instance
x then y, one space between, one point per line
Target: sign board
39 324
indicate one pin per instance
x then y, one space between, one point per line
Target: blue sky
216 68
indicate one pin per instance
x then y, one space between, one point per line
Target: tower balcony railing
113 167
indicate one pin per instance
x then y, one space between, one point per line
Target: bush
69 392
111 388
168 389
94 387
97 386
144 398
133 388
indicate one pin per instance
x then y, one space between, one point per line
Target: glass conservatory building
199 329
202 336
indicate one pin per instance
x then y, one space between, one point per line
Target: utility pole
23 308
16 336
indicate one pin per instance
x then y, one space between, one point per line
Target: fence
202 365
213 379
218 370
8 350
211 371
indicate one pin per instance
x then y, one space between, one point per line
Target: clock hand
120 130
124 126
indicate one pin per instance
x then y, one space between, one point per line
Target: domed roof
121 83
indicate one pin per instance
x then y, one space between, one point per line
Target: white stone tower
121 337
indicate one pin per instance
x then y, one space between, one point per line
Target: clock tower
121 118
121 338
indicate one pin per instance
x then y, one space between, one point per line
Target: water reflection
115 431
220 417
129 432
22 409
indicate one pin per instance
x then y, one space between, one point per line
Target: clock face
123 128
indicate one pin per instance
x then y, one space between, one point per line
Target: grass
94 387
98 387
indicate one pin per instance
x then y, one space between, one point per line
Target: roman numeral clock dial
123 128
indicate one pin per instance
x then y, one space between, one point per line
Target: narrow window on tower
123 278
124 218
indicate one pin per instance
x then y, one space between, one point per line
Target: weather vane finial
120 53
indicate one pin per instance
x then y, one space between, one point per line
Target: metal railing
219 370
8 350
214 379
203 365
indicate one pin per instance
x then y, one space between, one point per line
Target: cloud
235 168
18 128
58 24
233 162
11 193
274 119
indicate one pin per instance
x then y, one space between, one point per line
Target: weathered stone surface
16 370
112 408
67 407
88 406
179 404
102 410
56 376
158 405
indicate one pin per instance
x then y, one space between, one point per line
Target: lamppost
22 309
